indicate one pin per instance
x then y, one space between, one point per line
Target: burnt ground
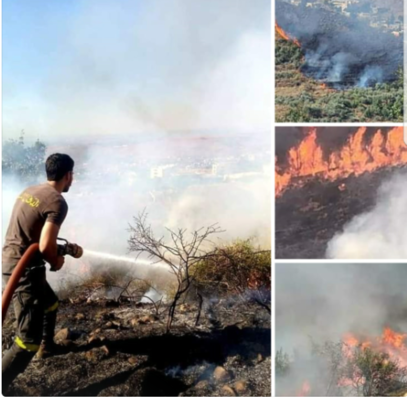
308 217
122 349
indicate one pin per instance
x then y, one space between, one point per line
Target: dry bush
239 268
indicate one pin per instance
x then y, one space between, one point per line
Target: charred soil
122 349
308 217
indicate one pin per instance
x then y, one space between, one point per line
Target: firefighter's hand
59 264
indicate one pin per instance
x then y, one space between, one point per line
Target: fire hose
66 249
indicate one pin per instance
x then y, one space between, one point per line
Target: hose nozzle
70 249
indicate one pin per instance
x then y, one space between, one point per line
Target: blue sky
102 67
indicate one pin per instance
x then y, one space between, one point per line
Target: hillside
302 99
118 348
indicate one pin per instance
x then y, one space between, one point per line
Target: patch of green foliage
238 269
282 364
288 53
381 103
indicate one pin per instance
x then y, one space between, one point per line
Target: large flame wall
359 155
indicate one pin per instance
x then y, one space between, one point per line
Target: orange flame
305 389
391 342
358 155
286 36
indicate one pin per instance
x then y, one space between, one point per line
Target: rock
80 316
221 375
133 360
227 391
109 324
146 319
96 355
260 358
202 385
241 387
63 334
90 356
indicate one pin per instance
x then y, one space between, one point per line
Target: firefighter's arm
49 247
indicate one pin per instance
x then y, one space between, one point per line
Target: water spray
124 259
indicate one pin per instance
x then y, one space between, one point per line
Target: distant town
378 17
163 175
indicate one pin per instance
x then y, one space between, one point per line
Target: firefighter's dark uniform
35 303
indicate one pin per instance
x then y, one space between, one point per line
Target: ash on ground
113 348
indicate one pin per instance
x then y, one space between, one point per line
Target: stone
133 360
80 317
227 391
240 387
220 374
63 334
146 319
97 354
202 385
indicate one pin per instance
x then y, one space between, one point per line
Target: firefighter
37 216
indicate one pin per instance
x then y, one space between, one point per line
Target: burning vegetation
359 364
284 35
362 153
327 176
332 68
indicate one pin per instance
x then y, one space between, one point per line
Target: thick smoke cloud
340 50
380 233
147 75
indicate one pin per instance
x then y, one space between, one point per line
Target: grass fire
339 64
339 192
341 330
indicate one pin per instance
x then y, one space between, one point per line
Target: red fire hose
15 278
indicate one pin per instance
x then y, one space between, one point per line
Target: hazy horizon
86 67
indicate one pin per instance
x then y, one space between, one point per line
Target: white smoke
147 76
316 303
380 233
133 67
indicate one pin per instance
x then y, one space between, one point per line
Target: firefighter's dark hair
58 165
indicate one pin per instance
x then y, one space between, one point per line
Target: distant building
342 4
157 173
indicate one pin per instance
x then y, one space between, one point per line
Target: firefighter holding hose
37 216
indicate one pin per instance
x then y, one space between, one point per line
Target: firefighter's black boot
15 361
50 320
